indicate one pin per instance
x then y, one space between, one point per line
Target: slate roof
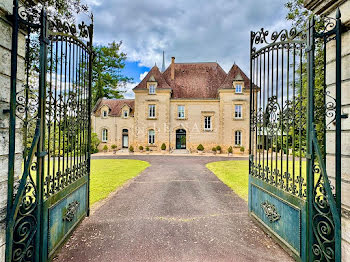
195 80
115 106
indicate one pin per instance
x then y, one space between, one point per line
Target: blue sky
190 30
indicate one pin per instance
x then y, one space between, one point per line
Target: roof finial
163 65
155 63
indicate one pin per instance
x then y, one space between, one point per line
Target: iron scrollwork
270 211
71 211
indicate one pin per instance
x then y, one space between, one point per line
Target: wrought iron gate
289 190
50 112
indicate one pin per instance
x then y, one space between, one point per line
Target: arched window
151 135
104 135
238 138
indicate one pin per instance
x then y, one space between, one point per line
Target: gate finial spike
338 14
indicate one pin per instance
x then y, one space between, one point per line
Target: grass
109 174
234 174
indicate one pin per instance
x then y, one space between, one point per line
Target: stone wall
5 68
328 8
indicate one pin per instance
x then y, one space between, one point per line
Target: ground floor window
104 135
238 138
151 136
207 123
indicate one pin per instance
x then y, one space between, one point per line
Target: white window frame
181 111
238 137
104 113
127 113
208 123
151 137
152 89
152 111
238 89
238 111
104 136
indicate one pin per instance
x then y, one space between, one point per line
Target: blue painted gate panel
64 216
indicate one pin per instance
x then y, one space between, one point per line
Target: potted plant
200 149
230 151
218 149
105 148
131 150
163 147
141 148
147 150
242 149
214 150
114 147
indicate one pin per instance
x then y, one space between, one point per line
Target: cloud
142 76
190 30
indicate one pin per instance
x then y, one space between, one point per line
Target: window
238 138
238 88
151 137
151 111
152 89
181 111
104 135
238 111
207 123
125 113
104 113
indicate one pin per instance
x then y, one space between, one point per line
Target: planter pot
114 151
147 152
218 152
214 153
104 151
131 153
200 152
163 152
141 151
229 154
242 153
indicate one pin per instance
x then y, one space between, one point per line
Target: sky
190 30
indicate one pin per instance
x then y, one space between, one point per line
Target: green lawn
234 174
109 174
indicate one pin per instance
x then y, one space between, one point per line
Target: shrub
230 150
242 149
163 147
94 143
200 147
131 149
218 148
105 148
213 149
147 148
114 146
140 148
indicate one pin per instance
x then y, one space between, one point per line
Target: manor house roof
115 106
195 80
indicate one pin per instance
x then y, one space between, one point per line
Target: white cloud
142 76
129 94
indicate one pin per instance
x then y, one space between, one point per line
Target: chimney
172 68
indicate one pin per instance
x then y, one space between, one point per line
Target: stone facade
201 89
5 72
328 8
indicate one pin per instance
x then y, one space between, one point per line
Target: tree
107 78
300 17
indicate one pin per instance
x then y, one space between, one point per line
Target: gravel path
176 210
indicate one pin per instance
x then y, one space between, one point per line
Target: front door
181 139
125 141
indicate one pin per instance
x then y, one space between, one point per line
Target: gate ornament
71 211
270 211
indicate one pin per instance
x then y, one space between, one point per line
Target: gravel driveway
176 210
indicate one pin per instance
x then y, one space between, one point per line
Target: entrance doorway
180 139
125 138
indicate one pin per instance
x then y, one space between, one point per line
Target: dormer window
104 113
152 89
125 113
238 88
